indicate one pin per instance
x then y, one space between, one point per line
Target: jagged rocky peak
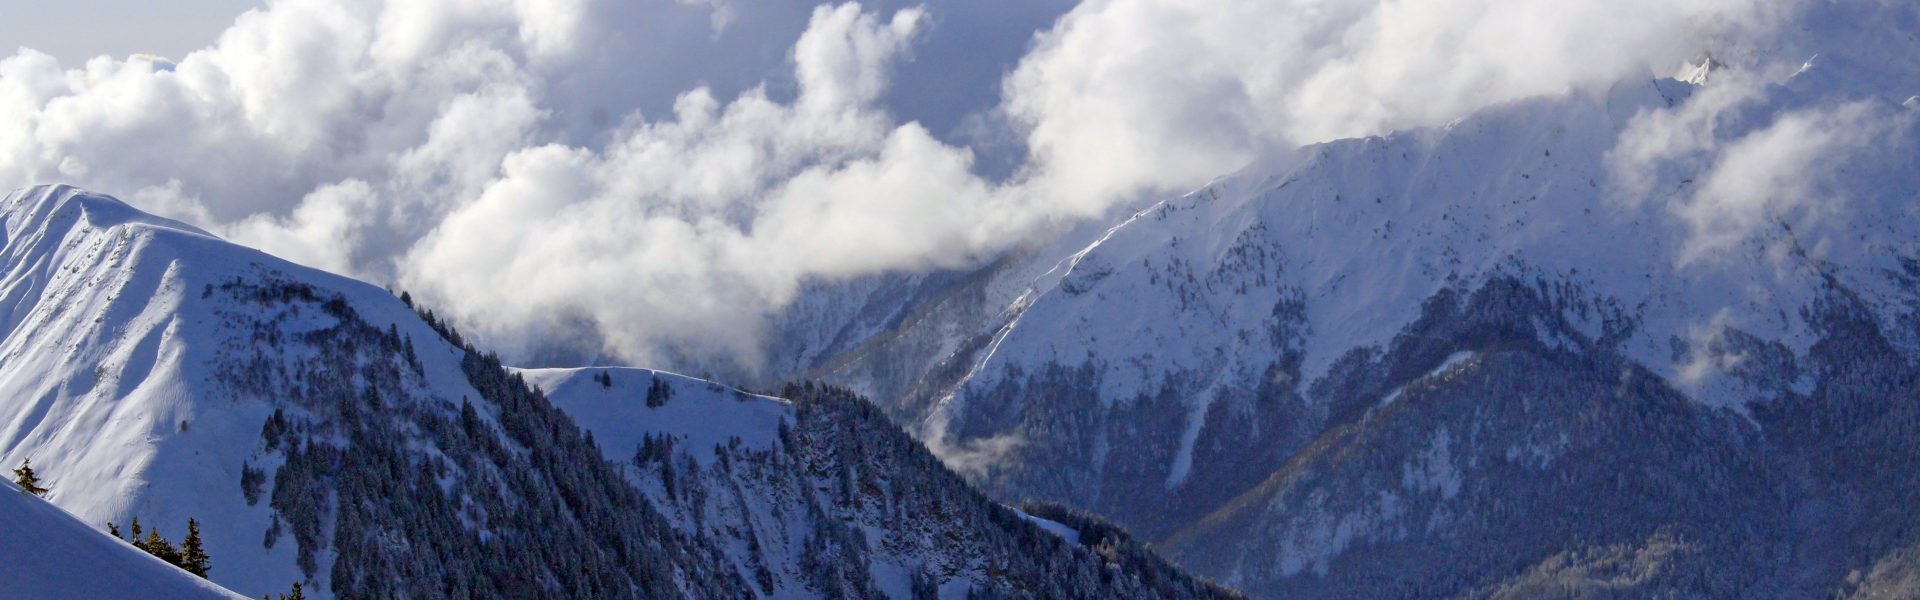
1700 70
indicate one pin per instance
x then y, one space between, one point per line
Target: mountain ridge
326 432
1175 371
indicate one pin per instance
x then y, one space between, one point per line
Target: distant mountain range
1654 339
322 431
1468 359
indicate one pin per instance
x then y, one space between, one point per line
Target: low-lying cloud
1751 152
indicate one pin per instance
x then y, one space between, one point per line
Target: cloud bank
513 160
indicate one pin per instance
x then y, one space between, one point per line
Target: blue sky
75 30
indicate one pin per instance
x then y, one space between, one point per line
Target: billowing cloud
1757 153
1123 94
1781 174
518 163
1667 145
692 228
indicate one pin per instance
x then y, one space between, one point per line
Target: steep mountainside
50 554
823 496
1471 360
315 425
324 432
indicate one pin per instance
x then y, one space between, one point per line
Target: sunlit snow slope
108 366
50 554
151 370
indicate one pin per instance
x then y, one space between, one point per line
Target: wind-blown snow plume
493 156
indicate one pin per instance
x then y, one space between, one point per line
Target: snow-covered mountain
822 496
314 424
1488 356
50 554
323 431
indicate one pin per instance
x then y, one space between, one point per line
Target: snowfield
50 554
701 415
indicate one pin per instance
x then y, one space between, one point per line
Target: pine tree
193 556
27 480
296 595
658 393
160 547
113 529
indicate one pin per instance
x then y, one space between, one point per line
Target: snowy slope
699 414
1195 352
325 432
822 497
1361 233
109 363
50 554
152 370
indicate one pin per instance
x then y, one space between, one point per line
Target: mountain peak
42 205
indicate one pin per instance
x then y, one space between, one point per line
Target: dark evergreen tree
160 547
251 481
27 480
407 496
193 555
658 393
296 595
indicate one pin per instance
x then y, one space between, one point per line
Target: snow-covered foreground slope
822 496
50 554
1220 372
325 432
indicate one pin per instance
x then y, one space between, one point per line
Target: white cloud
331 219
1744 158
1124 94
492 156
691 229
1708 353
1780 174
1665 145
